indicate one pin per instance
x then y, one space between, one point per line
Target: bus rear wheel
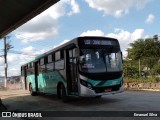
99 96
31 90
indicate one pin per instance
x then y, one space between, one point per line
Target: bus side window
59 60
57 55
49 63
42 67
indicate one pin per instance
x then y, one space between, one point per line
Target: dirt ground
7 93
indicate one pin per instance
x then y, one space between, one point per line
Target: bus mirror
122 57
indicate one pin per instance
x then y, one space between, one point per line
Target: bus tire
31 90
59 91
63 94
98 97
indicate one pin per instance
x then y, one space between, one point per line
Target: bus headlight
86 84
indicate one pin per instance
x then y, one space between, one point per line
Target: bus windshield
99 61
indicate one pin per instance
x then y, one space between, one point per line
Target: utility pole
5 62
155 38
139 67
7 47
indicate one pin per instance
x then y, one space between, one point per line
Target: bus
89 66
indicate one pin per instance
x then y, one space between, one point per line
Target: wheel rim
61 91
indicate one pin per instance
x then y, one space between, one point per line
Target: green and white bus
85 66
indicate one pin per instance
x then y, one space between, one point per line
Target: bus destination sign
99 42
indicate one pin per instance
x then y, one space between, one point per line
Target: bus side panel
47 82
54 78
41 82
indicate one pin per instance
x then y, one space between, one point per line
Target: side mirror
122 57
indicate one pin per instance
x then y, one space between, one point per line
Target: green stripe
47 82
103 83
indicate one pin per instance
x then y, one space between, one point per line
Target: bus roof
73 41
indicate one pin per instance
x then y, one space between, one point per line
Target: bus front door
71 72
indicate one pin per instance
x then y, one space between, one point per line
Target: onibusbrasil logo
21 114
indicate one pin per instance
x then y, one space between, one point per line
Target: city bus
88 66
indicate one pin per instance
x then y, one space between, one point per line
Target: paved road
126 101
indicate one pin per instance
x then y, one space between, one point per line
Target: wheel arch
59 86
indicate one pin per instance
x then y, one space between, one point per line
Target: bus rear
100 66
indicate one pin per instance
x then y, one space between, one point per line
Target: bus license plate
108 89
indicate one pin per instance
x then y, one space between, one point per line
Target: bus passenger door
36 75
71 72
25 78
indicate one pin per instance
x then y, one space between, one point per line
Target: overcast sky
126 20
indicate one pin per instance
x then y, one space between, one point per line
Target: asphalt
137 100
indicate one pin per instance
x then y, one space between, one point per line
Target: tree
136 50
156 69
146 50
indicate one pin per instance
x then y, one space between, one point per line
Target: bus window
59 60
59 65
74 52
49 63
50 59
42 68
57 55
42 61
114 62
98 61
50 67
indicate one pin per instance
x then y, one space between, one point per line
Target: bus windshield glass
100 61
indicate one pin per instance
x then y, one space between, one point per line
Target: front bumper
87 92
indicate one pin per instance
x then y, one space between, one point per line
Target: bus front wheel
63 93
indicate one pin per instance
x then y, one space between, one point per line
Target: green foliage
130 69
144 48
156 69
148 53
137 49
131 72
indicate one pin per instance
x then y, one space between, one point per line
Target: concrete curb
143 86
143 89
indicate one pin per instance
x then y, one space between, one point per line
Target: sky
126 20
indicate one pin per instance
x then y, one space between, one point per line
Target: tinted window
57 55
50 67
41 61
59 64
62 55
50 58
42 69
74 52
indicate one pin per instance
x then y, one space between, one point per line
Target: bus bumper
86 92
